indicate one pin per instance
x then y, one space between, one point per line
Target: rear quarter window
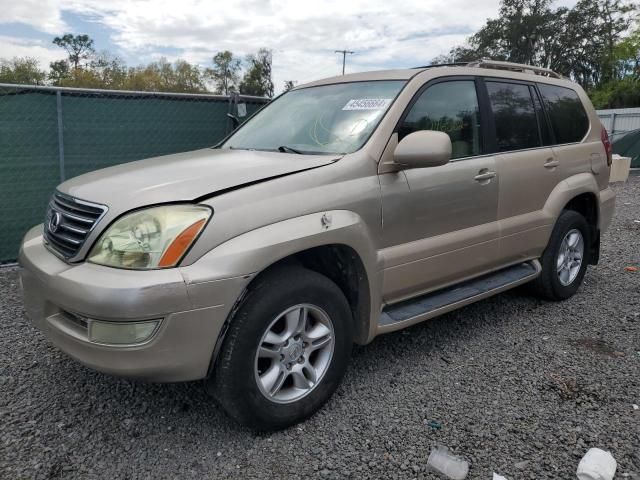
569 119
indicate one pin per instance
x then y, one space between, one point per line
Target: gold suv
346 208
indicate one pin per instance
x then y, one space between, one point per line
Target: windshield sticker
367 104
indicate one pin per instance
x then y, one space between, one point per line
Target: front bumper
56 294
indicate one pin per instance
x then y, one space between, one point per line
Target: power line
344 57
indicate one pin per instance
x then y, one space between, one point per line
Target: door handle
551 163
481 177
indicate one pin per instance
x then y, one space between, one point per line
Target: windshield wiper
285 149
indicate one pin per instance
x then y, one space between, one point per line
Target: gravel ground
519 387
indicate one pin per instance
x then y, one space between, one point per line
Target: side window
450 107
514 115
543 124
568 118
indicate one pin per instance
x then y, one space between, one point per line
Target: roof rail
499 65
435 65
514 67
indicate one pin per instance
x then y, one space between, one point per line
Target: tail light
607 146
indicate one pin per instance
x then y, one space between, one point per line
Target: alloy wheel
294 353
570 257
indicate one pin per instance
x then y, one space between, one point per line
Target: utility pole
344 57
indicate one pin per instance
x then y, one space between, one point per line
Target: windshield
335 118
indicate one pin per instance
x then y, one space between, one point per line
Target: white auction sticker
367 104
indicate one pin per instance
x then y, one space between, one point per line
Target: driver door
443 227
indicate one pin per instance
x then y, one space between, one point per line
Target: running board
432 304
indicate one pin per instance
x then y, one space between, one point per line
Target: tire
553 284
274 303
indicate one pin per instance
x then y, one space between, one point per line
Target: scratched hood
185 176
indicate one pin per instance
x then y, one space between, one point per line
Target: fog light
121 333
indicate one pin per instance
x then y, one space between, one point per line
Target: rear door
526 164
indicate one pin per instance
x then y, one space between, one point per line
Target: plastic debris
630 269
597 465
436 425
636 407
445 463
498 477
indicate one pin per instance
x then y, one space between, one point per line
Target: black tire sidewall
568 220
268 299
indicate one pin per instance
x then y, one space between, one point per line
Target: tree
163 76
59 71
289 84
579 43
257 79
110 70
623 93
627 55
225 72
21 70
187 78
78 47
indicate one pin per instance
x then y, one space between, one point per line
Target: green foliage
78 47
111 71
623 93
163 76
84 68
23 70
257 79
582 42
225 72
59 72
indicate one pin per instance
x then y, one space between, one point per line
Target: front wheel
286 350
564 261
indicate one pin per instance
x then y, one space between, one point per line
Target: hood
185 176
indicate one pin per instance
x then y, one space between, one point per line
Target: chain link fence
620 121
623 125
50 134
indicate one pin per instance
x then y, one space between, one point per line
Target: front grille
68 223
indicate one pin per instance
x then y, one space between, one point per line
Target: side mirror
425 148
235 120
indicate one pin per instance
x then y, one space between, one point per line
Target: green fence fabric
95 129
629 146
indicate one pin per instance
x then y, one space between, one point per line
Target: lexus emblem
54 221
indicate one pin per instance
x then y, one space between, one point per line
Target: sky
303 34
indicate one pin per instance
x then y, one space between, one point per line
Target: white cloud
302 34
45 15
19 47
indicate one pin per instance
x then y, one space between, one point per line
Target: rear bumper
607 207
56 293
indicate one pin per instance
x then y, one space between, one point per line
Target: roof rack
454 64
500 65
514 67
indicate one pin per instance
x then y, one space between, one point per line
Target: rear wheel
564 261
286 350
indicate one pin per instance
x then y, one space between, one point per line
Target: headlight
153 238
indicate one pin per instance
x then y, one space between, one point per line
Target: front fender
252 252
